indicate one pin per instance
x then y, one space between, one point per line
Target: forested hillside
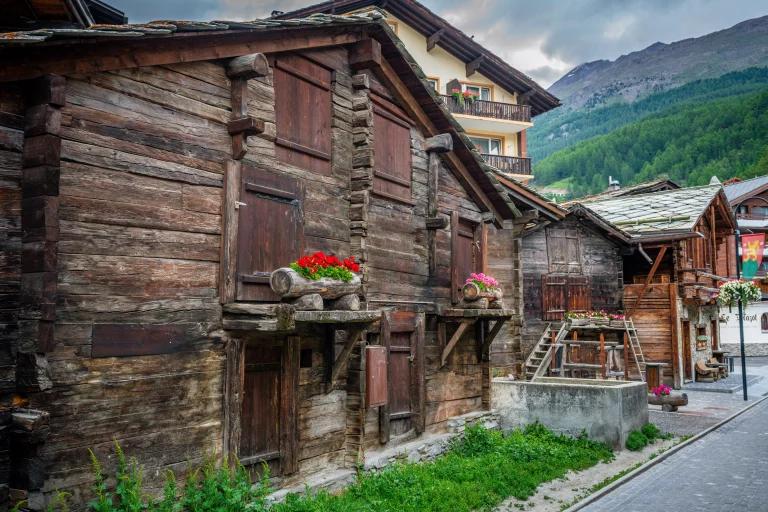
562 128
689 142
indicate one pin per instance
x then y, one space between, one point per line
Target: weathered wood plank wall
12 110
140 197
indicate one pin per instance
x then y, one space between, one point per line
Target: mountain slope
689 142
664 66
552 133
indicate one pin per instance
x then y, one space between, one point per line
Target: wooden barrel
471 291
286 282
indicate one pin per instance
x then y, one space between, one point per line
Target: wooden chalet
670 276
572 265
153 176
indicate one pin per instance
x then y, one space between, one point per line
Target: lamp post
737 239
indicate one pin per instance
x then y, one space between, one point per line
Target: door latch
238 204
410 358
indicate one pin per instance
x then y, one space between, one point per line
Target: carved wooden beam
523 98
434 39
440 222
240 70
489 339
365 54
442 143
474 65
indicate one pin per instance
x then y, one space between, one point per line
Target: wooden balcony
490 109
752 216
510 164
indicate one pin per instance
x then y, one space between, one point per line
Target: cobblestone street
726 471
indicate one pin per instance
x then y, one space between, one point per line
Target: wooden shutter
579 297
402 334
553 297
468 251
303 113
392 150
270 231
563 251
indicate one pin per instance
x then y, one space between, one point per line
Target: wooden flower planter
310 295
669 403
475 298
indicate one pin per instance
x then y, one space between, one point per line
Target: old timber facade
151 181
507 100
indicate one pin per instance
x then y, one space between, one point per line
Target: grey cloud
569 32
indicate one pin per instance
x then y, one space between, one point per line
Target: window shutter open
579 297
553 297
303 113
392 150
270 231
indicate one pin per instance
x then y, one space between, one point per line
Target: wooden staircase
540 359
541 356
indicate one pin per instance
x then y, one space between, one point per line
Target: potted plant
660 391
616 320
576 318
462 97
319 273
737 291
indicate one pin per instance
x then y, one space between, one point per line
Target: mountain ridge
662 66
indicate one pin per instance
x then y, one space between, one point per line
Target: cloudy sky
544 38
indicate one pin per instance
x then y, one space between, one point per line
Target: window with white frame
487 145
483 93
433 83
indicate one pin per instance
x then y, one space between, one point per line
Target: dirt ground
553 496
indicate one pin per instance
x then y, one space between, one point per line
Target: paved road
726 471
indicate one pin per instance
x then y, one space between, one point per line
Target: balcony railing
510 164
752 216
490 109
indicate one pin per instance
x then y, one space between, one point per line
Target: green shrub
651 431
636 441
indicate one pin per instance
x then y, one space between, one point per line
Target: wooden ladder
637 351
540 363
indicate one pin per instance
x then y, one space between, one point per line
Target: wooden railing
491 109
510 164
752 216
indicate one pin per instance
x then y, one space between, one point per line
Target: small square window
433 83
483 93
305 358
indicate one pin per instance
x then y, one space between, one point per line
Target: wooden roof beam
648 280
434 39
474 65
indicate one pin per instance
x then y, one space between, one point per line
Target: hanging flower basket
737 291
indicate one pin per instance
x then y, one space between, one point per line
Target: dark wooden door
468 251
403 336
260 437
685 331
401 355
270 231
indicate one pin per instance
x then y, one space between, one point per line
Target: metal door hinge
410 358
238 204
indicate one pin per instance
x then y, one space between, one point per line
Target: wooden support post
602 353
454 340
626 356
675 334
454 254
353 336
365 54
490 337
229 226
384 337
648 280
289 405
239 70
235 373
713 236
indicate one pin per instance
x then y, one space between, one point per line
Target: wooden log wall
12 112
601 262
505 250
142 160
399 276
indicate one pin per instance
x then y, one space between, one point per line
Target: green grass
478 473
